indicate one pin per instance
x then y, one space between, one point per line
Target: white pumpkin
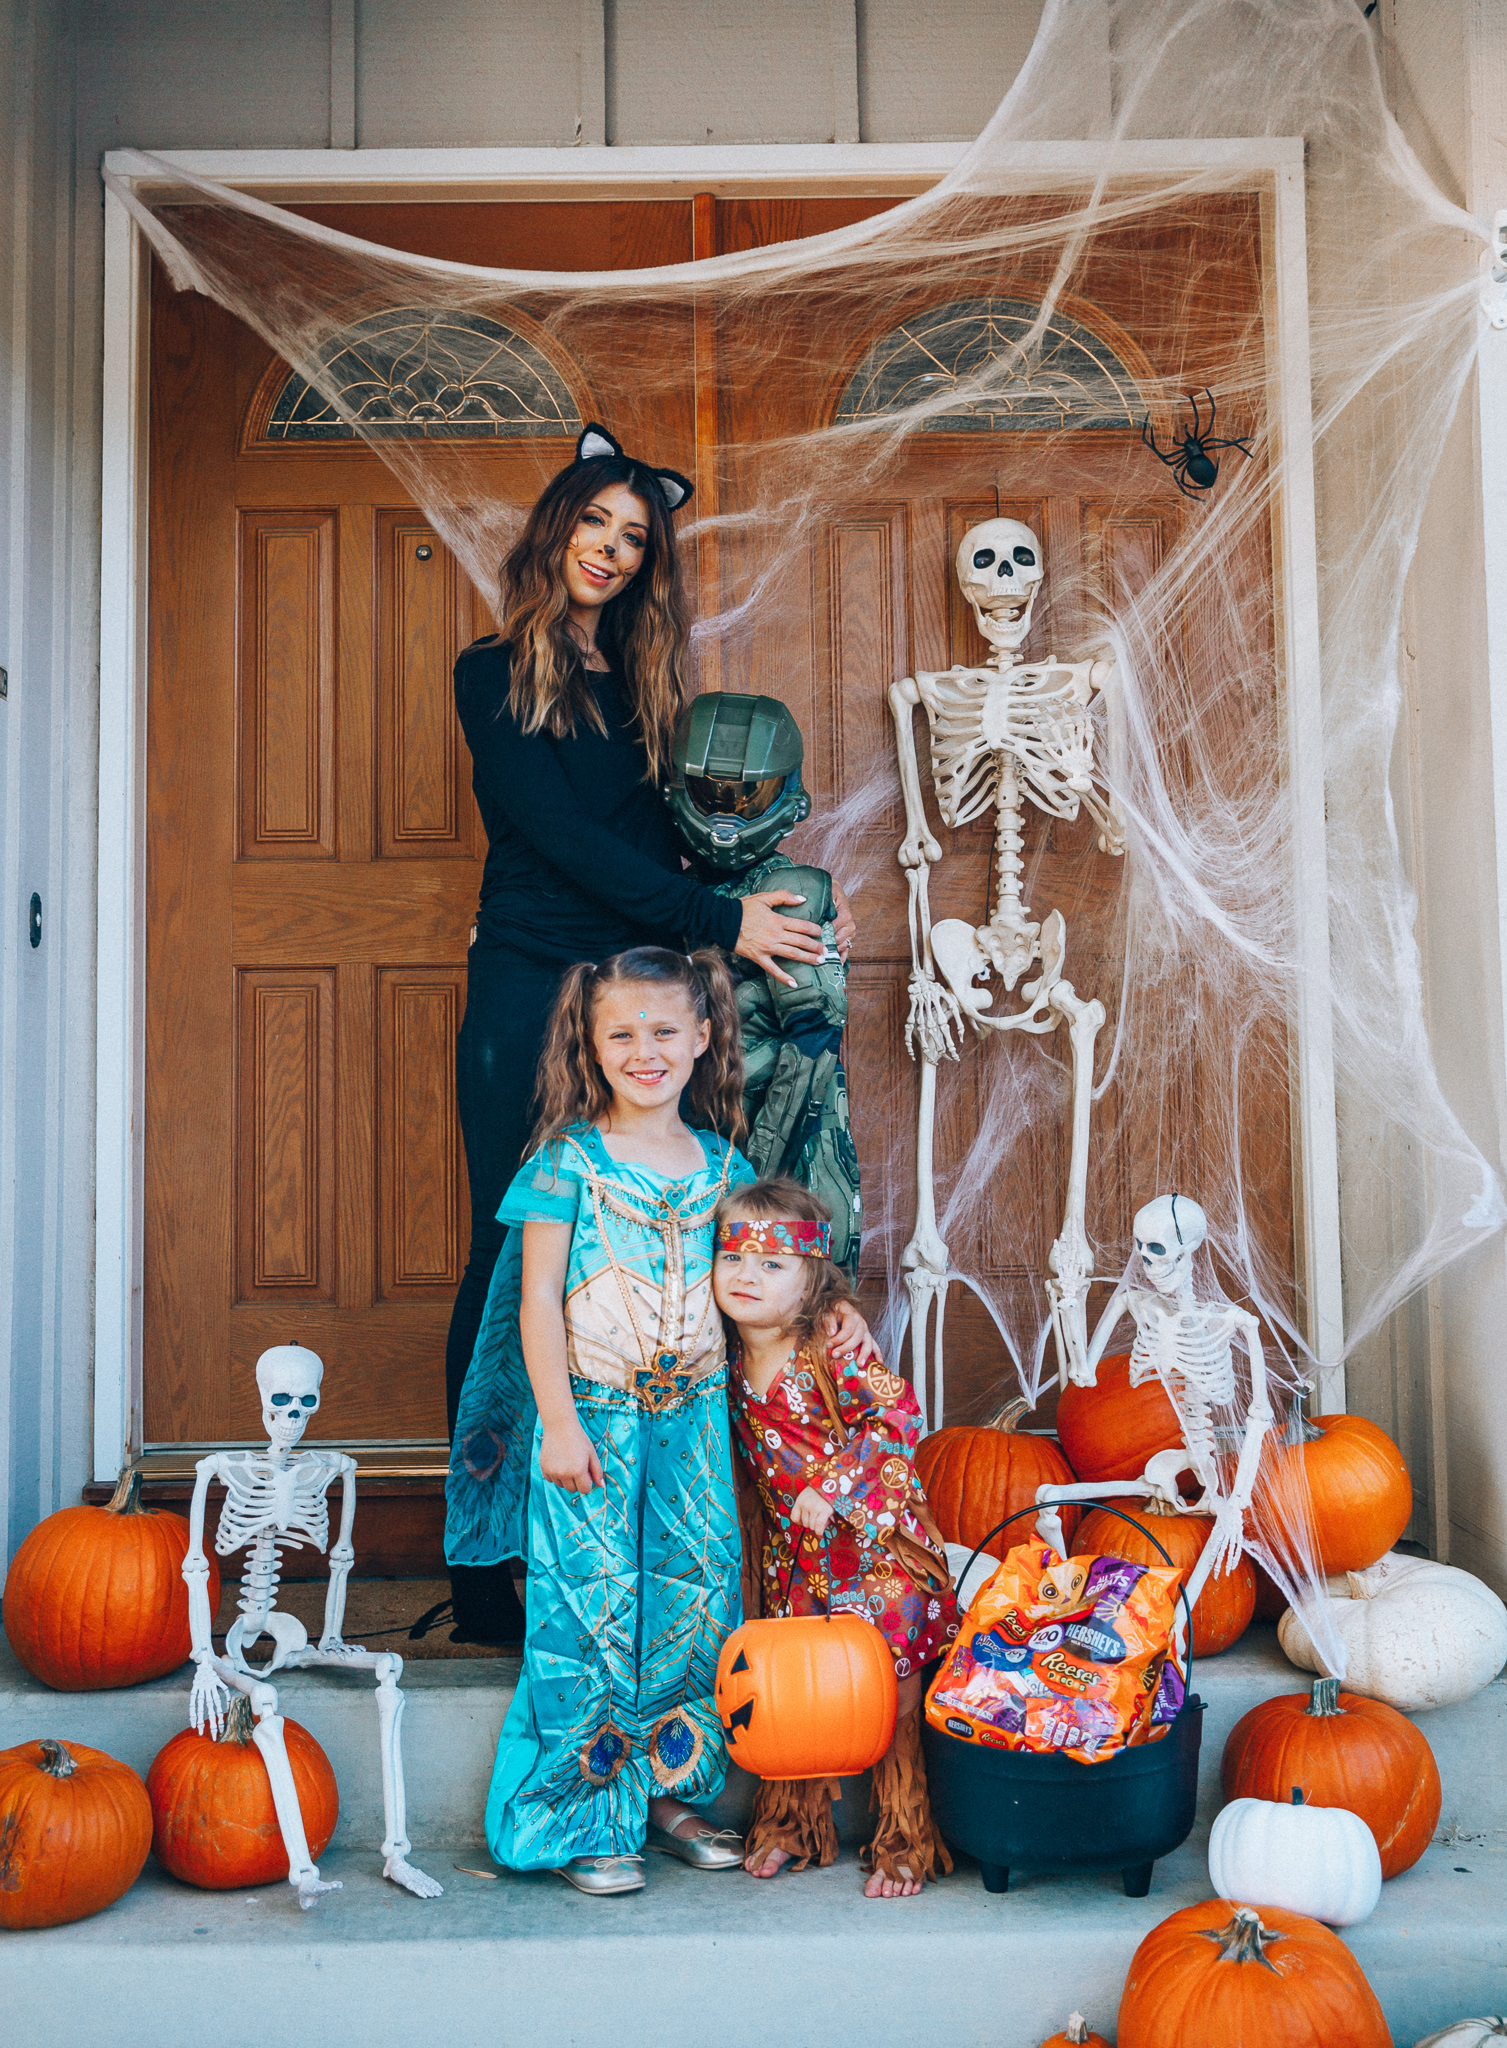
1467 2034
1318 1860
1416 1634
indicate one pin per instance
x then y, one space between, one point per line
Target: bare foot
770 1866
902 1887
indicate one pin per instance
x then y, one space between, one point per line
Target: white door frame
1274 168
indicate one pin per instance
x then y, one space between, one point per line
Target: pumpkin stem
1076 2028
1325 1698
239 1721
126 1499
1299 1429
56 1761
1009 1416
1242 1941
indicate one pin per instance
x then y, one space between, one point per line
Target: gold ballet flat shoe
603 1874
708 1849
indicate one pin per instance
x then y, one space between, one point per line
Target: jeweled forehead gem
641 1015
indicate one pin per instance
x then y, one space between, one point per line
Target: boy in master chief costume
735 792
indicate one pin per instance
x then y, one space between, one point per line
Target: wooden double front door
314 850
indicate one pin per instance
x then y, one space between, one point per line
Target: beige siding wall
197 74
1440 1376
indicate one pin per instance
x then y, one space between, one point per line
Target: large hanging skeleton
277 1498
1000 735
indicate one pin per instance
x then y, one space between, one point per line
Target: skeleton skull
1168 1231
288 1378
999 571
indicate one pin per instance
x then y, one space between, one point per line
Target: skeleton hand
1226 1542
934 1010
208 1700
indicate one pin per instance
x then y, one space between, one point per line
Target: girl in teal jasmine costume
592 1436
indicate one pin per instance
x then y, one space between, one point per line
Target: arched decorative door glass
415 371
1068 377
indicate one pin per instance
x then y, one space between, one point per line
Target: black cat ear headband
595 443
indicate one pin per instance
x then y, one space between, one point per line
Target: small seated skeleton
1001 735
276 1499
1186 1344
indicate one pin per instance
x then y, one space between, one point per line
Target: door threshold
406 1458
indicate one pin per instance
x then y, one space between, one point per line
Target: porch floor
511 1961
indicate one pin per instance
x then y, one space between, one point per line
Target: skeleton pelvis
956 949
287 1632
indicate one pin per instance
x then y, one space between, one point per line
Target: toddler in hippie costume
828 1451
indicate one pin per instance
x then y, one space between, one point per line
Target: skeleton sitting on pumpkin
1187 1345
277 1498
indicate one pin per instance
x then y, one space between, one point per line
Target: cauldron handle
1104 1508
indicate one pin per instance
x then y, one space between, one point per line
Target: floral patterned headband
767 1234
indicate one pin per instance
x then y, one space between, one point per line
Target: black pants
508 1001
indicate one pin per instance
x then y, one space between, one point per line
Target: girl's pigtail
570 1088
716 1089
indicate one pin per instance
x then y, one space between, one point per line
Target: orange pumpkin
213 1821
1223 1611
1223 1973
95 1596
1110 1429
973 1478
1358 1493
1339 1749
75 1828
1075 2035
806 1697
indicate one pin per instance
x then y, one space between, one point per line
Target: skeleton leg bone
924 1261
1071 1259
303 1873
390 1702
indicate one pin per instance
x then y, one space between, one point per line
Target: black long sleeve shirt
582 857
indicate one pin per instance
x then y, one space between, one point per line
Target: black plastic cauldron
1017 1809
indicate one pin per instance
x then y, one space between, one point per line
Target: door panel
285 1134
286 601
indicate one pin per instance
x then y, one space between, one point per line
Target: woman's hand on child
568 1459
811 1510
765 936
847 1331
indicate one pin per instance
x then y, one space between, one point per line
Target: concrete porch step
692 1958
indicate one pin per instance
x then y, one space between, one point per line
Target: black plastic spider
1192 465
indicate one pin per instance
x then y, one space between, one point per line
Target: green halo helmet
735 783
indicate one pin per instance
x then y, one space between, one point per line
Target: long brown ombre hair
644 629
572 1088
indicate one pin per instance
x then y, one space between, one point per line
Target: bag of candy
1062 1654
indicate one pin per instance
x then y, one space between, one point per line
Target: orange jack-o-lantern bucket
807 1697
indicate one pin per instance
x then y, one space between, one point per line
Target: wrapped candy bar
1063 1654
